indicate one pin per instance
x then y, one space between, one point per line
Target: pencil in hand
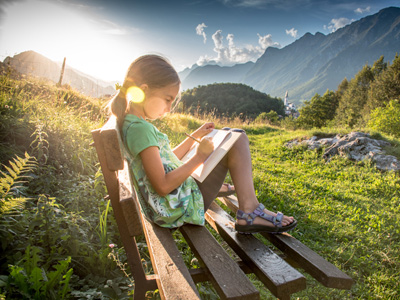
188 135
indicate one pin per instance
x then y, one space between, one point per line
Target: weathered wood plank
279 277
201 274
322 270
128 206
111 143
174 280
132 252
219 263
128 201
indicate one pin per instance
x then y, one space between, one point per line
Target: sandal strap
241 215
259 212
278 219
228 186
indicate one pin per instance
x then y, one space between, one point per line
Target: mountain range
35 64
313 63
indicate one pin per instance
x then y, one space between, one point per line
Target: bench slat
128 206
128 201
236 285
280 278
322 270
111 142
174 280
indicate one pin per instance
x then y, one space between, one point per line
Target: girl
168 195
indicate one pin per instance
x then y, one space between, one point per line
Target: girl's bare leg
212 184
240 168
238 161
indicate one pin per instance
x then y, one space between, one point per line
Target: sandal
229 192
254 228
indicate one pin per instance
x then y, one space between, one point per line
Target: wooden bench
228 276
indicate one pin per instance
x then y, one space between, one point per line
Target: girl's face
158 102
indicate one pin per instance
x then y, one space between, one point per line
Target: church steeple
286 98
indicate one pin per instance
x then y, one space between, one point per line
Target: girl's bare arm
164 183
184 147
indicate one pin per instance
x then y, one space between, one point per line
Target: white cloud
230 37
292 32
363 10
218 39
245 3
266 41
251 3
231 54
200 31
263 4
335 24
109 27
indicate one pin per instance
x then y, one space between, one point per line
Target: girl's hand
203 130
205 148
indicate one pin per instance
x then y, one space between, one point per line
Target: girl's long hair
153 70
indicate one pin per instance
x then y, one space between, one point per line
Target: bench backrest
109 145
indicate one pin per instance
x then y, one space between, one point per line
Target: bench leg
140 292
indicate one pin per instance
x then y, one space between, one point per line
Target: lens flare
135 94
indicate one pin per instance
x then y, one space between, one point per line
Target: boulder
355 146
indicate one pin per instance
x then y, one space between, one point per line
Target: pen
188 135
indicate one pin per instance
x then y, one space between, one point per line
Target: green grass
348 212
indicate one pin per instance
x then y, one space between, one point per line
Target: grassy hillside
348 212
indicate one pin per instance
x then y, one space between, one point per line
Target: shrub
289 123
271 117
386 119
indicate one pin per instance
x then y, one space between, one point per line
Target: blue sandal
254 228
230 191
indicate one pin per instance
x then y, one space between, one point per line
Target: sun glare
57 30
135 94
47 27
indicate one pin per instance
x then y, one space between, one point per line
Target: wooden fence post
62 72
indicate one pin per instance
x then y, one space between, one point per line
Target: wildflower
111 246
6 106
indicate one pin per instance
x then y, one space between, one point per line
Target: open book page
217 137
223 140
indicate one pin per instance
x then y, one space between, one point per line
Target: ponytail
118 106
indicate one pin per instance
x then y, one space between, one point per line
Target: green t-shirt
182 205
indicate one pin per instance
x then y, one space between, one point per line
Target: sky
101 37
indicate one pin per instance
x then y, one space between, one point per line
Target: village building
290 108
